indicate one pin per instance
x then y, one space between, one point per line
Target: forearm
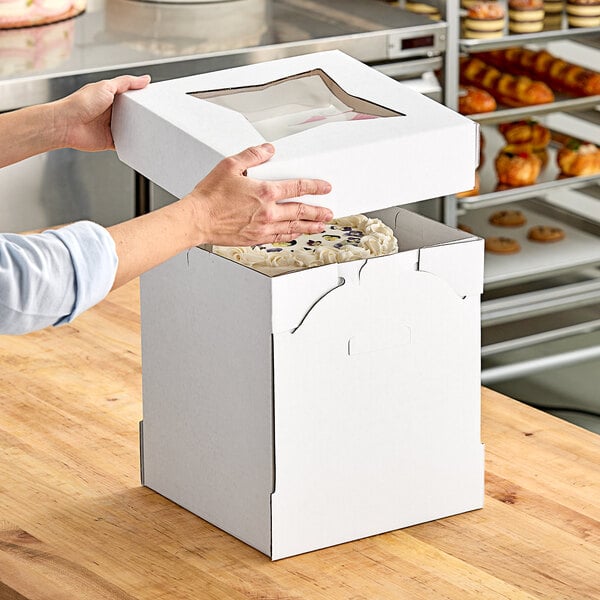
147 241
27 132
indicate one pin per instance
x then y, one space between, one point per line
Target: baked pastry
553 7
583 13
344 239
526 132
553 10
560 74
579 158
485 20
465 228
474 191
508 89
545 234
27 13
525 16
473 100
517 168
427 10
502 245
508 218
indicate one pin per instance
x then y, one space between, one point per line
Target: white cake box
313 408
329 117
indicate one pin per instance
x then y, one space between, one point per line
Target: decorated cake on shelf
31 49
344 239
27 13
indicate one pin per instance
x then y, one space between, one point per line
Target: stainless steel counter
174 40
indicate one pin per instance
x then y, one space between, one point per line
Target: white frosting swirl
345 239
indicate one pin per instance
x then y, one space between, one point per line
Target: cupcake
583 13
485 20
525 16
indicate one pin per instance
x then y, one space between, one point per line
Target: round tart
508 218
502 245
545 234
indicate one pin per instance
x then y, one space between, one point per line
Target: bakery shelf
549 178
468 45
513 114
579 248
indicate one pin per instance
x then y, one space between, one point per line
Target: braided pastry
560 74
508 89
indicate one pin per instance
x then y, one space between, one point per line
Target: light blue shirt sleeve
51 277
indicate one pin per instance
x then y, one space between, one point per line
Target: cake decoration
343 240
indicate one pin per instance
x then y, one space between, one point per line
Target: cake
583 13
525 16
516 168
35 48
344 239
26 13
484 20
579 159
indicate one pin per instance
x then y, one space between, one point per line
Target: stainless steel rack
552 287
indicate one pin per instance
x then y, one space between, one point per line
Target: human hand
83 118
232 209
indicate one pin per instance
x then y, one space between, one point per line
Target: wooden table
76 524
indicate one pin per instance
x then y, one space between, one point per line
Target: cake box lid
329 116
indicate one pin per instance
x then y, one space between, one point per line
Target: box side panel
207 391
372 435
162 152
375 164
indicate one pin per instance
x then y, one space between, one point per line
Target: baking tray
578 248
561 125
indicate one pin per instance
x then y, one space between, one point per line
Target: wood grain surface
76 524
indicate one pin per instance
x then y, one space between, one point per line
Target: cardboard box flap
174 132
448 261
